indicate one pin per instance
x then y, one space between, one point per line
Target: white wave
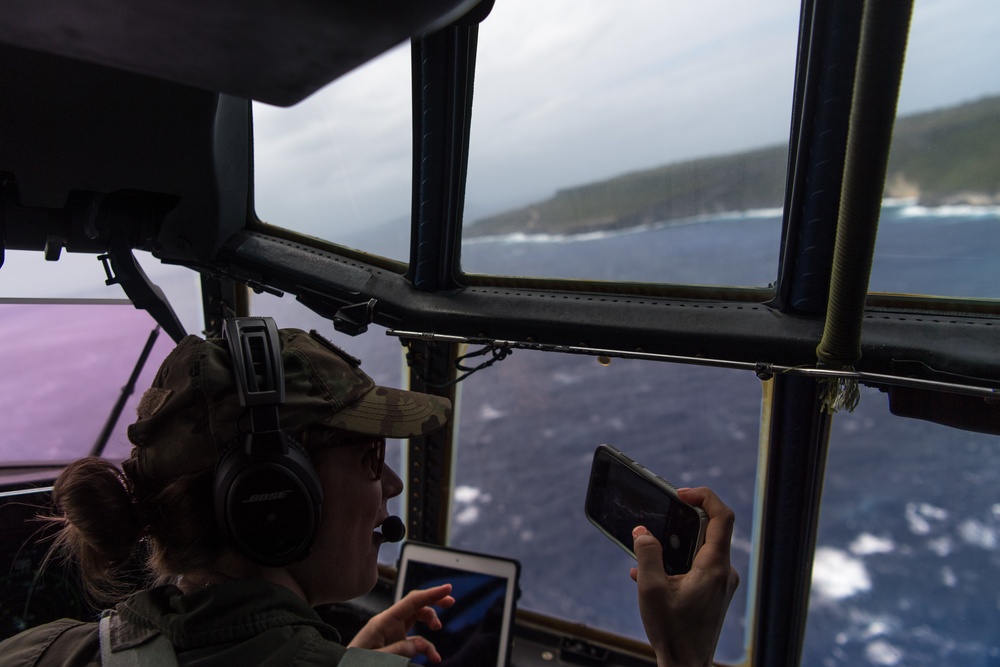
488 413
467 494
467 516
837 575
876 627
882 652
526 237
866 544
468 498
764 212
948 577
948 211
942 546
978 534
919 516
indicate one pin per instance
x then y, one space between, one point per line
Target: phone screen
620 498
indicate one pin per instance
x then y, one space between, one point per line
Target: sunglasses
374 455
376 458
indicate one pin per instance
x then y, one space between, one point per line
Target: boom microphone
393 529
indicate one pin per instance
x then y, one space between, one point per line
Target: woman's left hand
387 631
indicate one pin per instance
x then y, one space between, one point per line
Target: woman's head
343 562
192 415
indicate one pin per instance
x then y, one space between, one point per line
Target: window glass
528 429
65 368
381 358
337 165
67 353
939 231
624 129
908 552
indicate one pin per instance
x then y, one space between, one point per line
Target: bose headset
268 497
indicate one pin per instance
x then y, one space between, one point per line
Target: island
942 157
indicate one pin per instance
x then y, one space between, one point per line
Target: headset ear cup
268 504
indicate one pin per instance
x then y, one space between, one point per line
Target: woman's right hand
683 614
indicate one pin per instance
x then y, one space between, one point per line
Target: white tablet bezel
495 566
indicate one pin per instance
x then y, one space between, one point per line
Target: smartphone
623 494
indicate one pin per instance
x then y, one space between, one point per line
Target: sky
567 92
573 91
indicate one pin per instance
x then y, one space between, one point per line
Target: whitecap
978 534
488 413
919 516
876 628
866 544
918 524
932 512
949 211
837 575
467 494
942 546
764 212
948 577
467 516
881 652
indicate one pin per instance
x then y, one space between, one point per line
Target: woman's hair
113 527
113 523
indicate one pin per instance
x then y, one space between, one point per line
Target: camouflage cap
192 411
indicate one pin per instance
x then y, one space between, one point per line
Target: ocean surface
907 569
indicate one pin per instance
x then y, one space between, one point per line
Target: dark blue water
908 560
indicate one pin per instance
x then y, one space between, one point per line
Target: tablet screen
477 627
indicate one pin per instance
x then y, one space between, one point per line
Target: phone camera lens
675 542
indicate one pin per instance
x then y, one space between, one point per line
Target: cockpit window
337 165
633 137
527 434
71 345
65 367
939 233
905 571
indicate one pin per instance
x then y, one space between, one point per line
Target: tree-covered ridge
941 157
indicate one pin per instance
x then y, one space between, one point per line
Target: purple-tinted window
64 365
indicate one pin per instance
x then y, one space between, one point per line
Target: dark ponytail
99 527
122 532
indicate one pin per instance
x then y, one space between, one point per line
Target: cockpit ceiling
278 52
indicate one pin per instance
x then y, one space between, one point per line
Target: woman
224 593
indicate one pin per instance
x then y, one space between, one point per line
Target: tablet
478 627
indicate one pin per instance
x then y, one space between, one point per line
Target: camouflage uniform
232 624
